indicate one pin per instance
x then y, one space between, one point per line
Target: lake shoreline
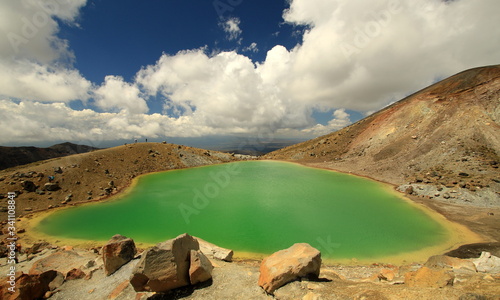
461 234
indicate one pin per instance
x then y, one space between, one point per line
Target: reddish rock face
118 251
75 274
300 260
164 266
28 286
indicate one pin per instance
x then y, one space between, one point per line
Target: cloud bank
355 55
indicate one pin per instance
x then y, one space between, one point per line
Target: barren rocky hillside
16 156
447 134
95 175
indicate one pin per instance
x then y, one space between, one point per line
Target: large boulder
26 286
28 186
200 268
487 263
429 278
300 260
215 251
118 251
164 266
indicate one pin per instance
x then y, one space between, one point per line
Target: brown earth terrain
96 175
441 146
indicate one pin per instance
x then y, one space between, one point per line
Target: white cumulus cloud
354 55
35 63
362 55
115 94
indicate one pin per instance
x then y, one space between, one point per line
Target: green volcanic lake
258 207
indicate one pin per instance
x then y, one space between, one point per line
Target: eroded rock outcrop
300 260
166 266
118 251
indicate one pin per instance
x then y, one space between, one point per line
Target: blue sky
138 33
103 72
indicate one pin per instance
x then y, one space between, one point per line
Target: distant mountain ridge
16 156
439 134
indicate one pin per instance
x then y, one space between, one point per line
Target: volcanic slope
446 134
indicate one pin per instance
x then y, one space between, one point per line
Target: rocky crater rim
458 234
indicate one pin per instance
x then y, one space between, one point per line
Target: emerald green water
260 207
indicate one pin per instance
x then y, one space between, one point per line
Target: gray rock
448 262
28 186
164 266
487 263
51 186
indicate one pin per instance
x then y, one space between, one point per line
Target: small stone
387 274
410 190
51 186
74 274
